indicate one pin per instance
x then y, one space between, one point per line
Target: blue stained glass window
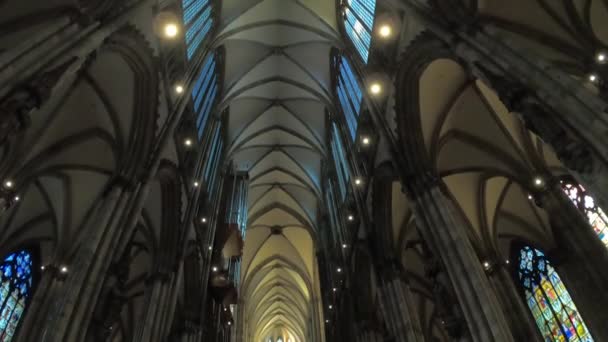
359 22
198 21
214 158
349 94
552 307
340 162
16 286
204 93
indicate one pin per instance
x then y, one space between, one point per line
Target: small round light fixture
204 220
229 323
17 198
593 78
188 142
351 218
327 321
42 267
335 289
339 269
179 89
9 184
507 261
385 31
358 181
64 269
344 246
170 30
486 265
538 182
210 248
375 88
196 184
366 141
601 57
214 269
530 197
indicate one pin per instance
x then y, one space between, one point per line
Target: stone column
445 231
581 258
370 335
518 314
396 304
160 305
49 285
73 305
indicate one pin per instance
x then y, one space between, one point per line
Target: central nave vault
277 85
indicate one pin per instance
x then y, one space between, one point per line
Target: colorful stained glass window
552 307
204 93
586 204
359 22
349 94
14 291
198 21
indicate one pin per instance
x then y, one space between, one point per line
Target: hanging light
64 269
179 89
375 88
358 181
351 218
171 30
538 182
385 31
366 141
188 142
9 184
601 57
593 78
204 220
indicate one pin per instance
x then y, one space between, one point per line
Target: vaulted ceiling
276 89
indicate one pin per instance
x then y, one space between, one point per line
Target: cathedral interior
303 170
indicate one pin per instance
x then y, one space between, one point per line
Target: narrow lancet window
204 93
197 21
349 94
359 23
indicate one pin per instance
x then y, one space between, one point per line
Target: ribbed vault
276 90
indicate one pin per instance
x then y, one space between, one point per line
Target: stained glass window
204 93
14 291
359 22
349 94
552 307
213 159
198 21
340 162
586 204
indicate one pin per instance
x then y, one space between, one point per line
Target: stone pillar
72 307
396 304
581 258
445 231
518 314
49 285
370 335
160 303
